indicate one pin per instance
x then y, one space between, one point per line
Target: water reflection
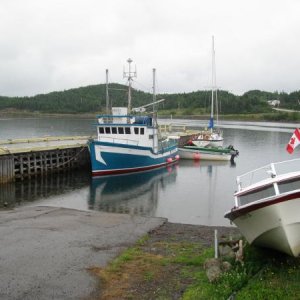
200 194
41 187
136 193
194 193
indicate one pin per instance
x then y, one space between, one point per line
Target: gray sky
52 45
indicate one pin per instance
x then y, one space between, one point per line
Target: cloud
59 44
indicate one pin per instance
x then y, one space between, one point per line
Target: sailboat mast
212 79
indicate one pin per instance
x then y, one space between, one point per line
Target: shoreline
11 113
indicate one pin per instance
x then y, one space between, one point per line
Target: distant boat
128 142
212 136
208 153
267 210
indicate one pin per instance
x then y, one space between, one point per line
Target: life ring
206 137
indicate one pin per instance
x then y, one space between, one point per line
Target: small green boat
208 153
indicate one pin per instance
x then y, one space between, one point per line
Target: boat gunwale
239 211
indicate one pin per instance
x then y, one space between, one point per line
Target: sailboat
212 136
128 142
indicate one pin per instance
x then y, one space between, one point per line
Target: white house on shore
274 102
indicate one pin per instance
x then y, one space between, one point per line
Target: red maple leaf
292 141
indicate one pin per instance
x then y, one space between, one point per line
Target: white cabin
121 128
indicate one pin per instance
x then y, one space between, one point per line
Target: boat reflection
185 163
136 193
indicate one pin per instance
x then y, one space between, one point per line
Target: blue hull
109 158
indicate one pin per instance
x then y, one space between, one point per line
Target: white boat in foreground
267 211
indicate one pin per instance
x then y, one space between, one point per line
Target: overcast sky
53 45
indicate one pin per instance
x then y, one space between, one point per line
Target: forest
92 99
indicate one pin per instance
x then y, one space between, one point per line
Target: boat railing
271 170
125 119
110 119
167 128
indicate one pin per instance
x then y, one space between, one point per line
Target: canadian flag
294 141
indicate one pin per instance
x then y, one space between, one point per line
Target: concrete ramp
45 252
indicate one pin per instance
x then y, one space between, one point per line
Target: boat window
136 130
114 130
257 195
127 130
107 129
150 136
120 130
101 130
290 185
142 130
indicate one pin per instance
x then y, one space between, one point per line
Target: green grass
162 269
265 275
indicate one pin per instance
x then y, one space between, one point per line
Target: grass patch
173 269
264 275
156 272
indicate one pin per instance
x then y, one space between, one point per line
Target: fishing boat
127 141
267 206
211 136
208 153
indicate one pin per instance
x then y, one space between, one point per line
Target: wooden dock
23 158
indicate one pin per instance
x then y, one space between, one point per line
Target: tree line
92 99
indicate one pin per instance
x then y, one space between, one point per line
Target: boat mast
107 95
129 75
213 83
155 127
154 91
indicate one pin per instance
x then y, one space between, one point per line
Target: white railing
267 171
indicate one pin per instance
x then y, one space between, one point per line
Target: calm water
190 192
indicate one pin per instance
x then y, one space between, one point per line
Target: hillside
92 99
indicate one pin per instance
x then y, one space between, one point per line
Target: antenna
154 91
107 95
129 75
